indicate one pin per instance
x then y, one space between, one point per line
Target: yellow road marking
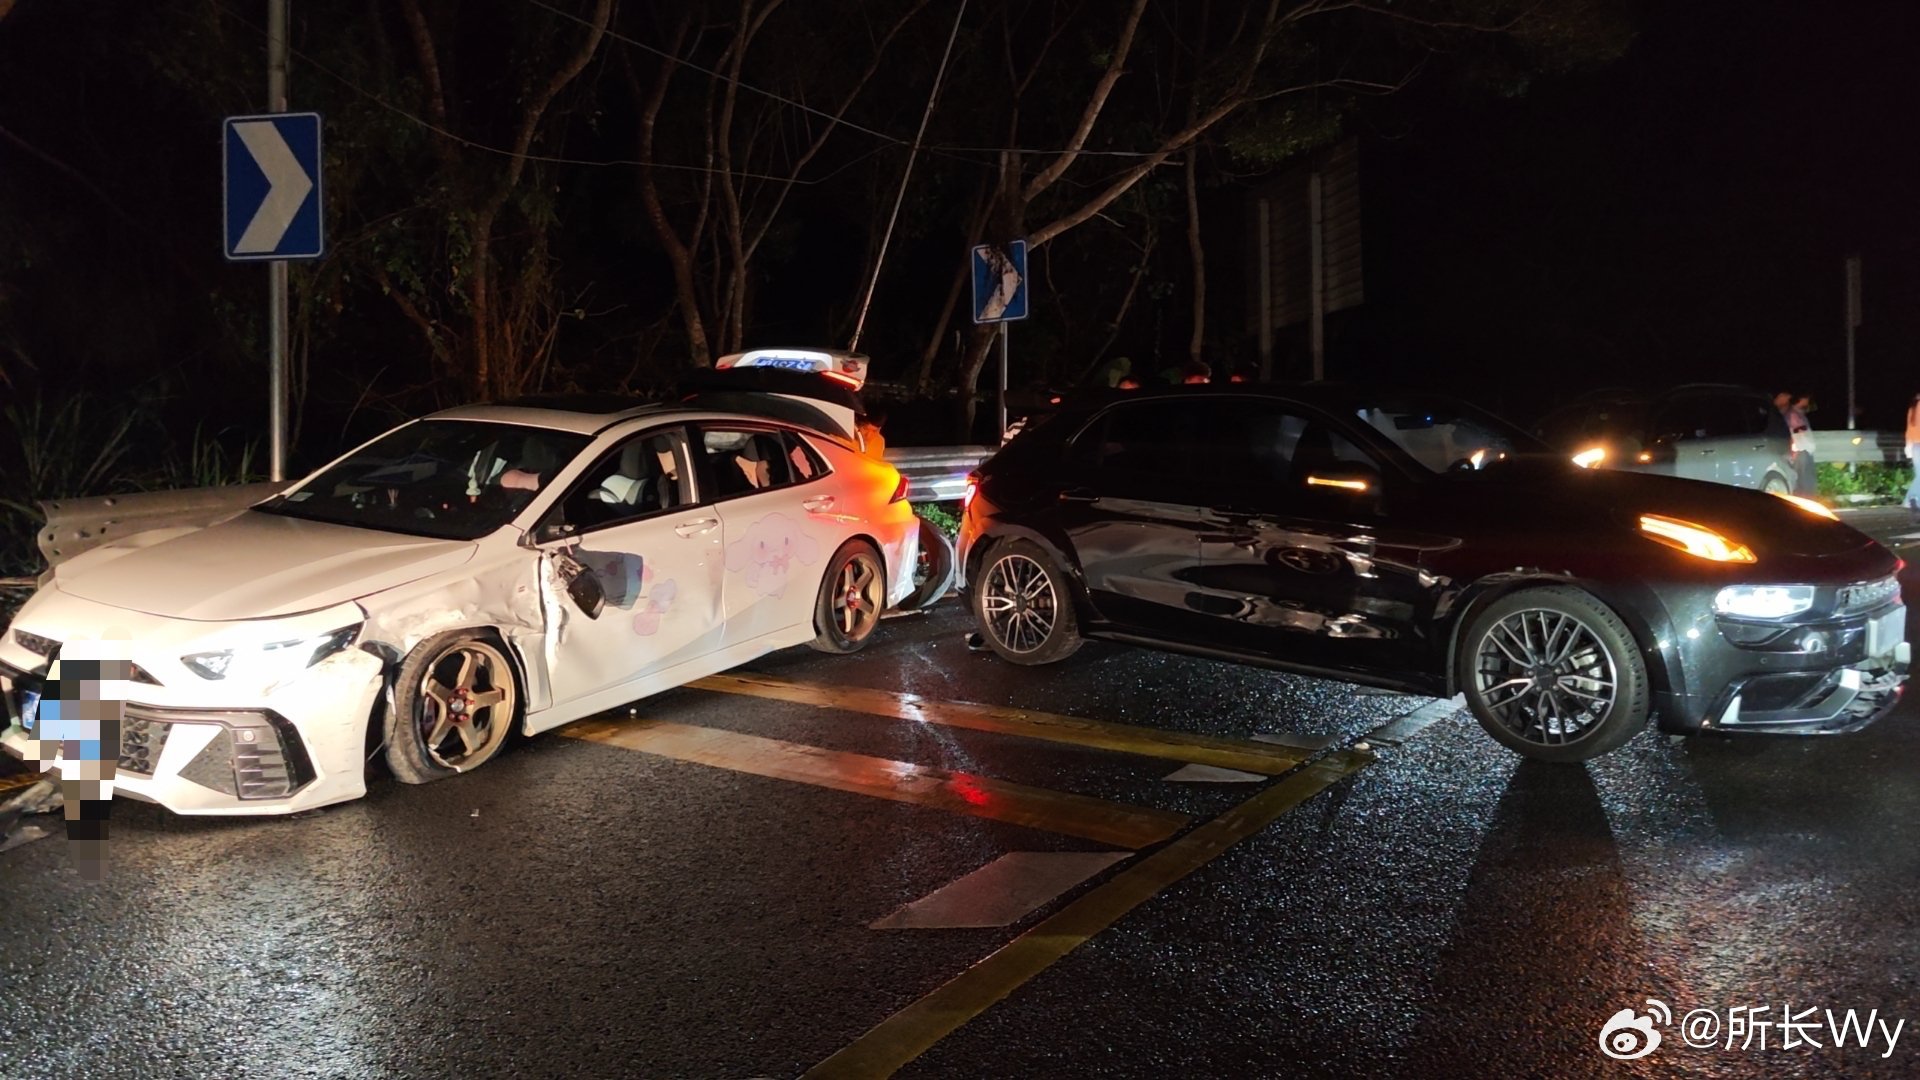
1268 759
910 1032
961 793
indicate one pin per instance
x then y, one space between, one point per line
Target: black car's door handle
1077 494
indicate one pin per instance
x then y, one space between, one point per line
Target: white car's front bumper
197 746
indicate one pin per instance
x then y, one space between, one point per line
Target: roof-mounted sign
846 367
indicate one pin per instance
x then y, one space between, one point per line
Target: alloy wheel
1019 603
466 704
1545 676
857 597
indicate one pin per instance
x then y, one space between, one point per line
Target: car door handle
1077 494
819 504
695 528
1706 449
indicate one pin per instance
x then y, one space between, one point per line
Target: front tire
1554 674
853 595
1024 605
454 704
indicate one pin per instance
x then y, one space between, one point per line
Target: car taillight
973 488
899 492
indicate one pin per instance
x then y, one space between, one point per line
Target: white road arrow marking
288 186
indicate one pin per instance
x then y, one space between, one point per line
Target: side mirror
583 586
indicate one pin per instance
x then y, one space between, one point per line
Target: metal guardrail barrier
1860 447
77 525
937 473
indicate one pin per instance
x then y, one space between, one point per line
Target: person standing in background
1809 471
1912 498
1803 478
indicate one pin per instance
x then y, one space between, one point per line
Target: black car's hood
1610 501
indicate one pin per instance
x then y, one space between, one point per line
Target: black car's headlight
1696 540
272 661
1763 601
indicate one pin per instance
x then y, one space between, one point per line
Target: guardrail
1860 447
77 525
937 473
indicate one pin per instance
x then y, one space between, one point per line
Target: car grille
1867 595
140 744
35 644
256 755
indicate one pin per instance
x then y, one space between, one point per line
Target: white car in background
485 567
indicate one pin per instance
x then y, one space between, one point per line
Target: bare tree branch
1116 66
537 108
429 57
873 66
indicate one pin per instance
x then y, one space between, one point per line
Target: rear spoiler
806 398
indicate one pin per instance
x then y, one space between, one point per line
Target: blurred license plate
1886 631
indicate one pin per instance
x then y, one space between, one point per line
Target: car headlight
1591 457
1763 601
1697 540
274 660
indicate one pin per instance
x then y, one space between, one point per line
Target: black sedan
1416 543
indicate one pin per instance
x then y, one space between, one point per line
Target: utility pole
1317 277
1853 321
277 269
906 174
1264 246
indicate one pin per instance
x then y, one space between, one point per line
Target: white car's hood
254 566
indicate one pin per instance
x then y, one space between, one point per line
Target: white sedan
482 567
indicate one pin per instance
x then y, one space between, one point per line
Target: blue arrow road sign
1000 282
272 190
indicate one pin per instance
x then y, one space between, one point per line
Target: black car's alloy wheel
1024 607
1554 674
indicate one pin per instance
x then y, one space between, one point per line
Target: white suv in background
1723 434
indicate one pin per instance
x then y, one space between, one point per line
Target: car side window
744 461
642 476
1147 438
1700 416
806 461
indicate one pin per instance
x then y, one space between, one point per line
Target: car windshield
1448 437
451 479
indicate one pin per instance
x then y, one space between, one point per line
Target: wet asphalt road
581 908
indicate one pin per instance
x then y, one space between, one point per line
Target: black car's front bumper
1825 673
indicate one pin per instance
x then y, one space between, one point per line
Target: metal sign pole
1853 320
1005 332
277 269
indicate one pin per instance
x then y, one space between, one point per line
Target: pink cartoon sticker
658 600
767 551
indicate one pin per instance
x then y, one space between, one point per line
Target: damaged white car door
632 569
